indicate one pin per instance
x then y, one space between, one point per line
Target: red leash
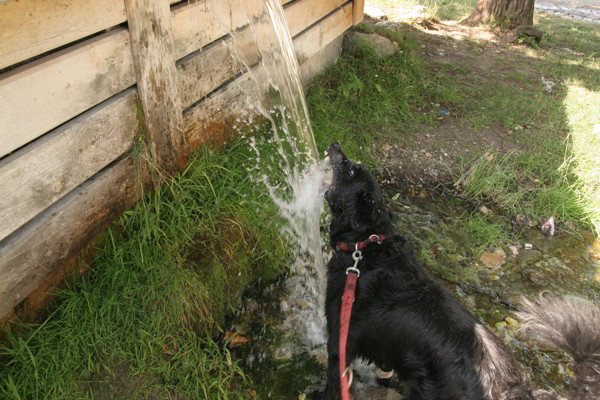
352 275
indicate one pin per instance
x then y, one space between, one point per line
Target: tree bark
508 13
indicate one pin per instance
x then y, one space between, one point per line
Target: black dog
403 320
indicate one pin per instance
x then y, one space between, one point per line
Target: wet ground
526 263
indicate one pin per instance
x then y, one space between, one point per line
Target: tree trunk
508 13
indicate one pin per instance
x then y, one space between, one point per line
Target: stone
484 210
514 251
384 46
493 260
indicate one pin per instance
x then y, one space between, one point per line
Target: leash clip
356 256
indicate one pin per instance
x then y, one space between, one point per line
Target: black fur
402 318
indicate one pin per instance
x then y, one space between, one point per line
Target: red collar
353 246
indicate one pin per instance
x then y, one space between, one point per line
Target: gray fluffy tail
572 325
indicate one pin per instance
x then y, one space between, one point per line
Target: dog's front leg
332 389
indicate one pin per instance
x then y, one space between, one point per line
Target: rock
386 147
384 46
513 250
493 260
484 210
528 30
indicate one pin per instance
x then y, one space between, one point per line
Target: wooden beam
42 245
41 95
358 11
156 76
38 175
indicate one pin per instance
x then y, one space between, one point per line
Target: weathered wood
152 44
358 11
196 24
212 118
302 14
228 107
42 95
38 175
205 71
33 27
311 41
324 58
40 246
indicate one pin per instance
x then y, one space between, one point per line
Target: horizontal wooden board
229 106
40 96
319 36
38 175
324 58
196 24
205 71
33 27
39 247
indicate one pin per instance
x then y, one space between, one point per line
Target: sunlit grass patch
583 111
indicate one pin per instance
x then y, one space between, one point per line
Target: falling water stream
264 46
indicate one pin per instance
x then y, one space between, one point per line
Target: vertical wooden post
358 11
156 75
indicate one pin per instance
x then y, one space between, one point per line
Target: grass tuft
141 322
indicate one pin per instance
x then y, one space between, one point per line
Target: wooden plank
205 71
39 247
40 96
38 175
320 61
303 13
212 118
151 44
222 110
33 27
358 11
195 25
311 41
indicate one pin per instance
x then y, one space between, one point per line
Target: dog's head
355 199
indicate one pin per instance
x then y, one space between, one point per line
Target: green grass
141 322
365 97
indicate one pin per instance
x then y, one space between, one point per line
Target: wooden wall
80 78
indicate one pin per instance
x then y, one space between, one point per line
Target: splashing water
300 199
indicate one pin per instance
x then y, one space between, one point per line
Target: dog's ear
365 212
